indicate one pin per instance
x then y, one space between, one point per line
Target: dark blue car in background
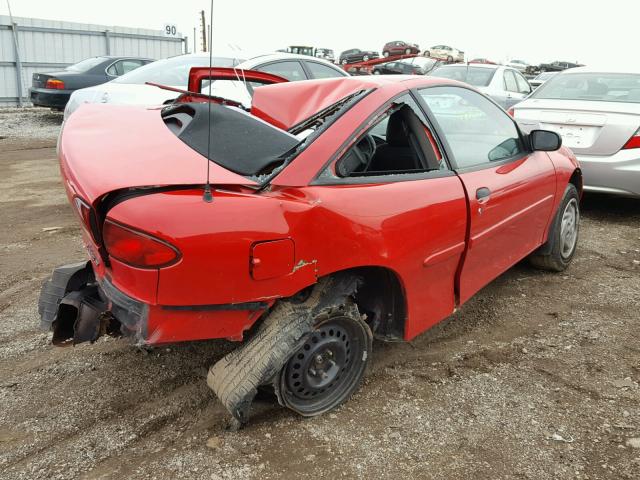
54 89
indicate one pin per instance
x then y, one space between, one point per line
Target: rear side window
318 70
478 131
523 85
124 66
510 81
290 70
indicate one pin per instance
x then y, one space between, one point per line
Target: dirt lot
536 378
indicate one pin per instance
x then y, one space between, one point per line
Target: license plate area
574 136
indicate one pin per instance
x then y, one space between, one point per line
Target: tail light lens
511 111
634 142
55 84
136 248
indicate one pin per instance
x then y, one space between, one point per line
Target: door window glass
478 131
510 81
523 85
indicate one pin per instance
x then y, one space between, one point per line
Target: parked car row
399 47
132 88
407 66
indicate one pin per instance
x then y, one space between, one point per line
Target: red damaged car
334 211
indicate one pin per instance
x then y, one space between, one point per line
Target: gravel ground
29 123
537 377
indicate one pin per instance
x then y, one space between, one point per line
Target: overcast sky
536 31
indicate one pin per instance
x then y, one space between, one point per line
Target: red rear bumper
80 307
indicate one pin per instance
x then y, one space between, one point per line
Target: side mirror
544 141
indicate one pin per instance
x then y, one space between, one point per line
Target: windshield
476 76
604 87
85 65
173 71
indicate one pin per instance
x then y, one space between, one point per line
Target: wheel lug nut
319 359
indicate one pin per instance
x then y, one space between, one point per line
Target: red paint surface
425 231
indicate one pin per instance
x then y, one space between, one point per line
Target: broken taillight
634 142
54 84
136 248
86 216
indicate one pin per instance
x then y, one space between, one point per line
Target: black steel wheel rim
327 368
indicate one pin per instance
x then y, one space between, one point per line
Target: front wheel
557 253
427 53
385 54
365 58
343 61
329 366
407 51
449 59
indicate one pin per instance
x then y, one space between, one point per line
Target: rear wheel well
381 298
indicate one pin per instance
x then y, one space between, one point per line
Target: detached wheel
330 365
563 237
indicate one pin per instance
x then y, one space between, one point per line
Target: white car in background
504 85
519 65
597 114
131 88
444 52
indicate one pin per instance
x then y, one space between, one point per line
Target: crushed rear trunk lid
110 147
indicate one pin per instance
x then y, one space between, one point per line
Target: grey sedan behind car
597 113
505 85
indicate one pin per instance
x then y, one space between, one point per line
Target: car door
512 91
523 85
510 190
410 218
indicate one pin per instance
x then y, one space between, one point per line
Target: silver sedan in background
597 114
505 85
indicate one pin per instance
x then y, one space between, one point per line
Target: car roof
271 57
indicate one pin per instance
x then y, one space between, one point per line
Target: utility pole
204 31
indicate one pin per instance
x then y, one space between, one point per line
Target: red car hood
108 147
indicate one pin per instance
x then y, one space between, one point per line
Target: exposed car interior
399 143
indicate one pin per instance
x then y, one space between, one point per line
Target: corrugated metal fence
51 45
